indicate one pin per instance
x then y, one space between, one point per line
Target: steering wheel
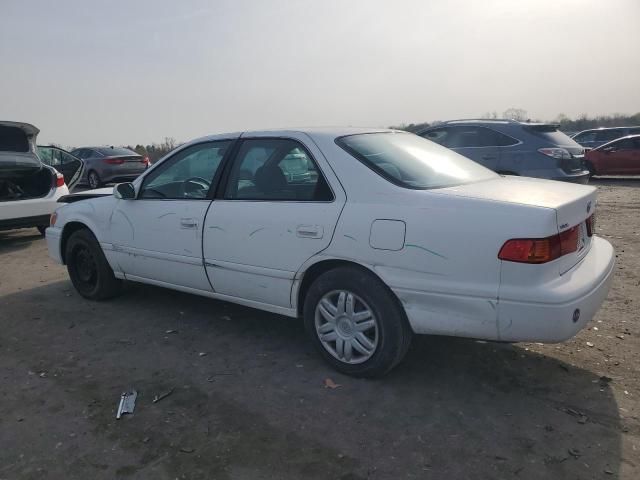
202 182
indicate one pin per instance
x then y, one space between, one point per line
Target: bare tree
517 114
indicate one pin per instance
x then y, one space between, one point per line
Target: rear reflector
591 225
540 250
114 161
52 219
59 180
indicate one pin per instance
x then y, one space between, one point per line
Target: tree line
567 124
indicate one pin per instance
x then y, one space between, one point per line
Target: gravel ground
248 397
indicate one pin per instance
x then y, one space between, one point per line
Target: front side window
46 155
187 175
276 169
411 161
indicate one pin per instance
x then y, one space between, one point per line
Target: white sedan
29 189
369 236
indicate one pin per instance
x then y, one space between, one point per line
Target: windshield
412 161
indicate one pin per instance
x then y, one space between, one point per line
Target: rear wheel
88 268
356 323
94 180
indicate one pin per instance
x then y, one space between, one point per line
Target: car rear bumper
570 302
32 212
53 236
577 177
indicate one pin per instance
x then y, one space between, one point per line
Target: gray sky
127 71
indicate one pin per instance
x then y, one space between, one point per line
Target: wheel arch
67 231
313 270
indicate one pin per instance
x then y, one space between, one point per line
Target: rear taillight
59 179
146 161
559 153
540 250
114 161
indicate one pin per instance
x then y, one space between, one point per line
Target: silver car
110 165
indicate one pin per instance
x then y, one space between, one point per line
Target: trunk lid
18 149
573 205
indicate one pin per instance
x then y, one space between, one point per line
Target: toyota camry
368 236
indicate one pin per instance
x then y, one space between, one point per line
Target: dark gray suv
514 148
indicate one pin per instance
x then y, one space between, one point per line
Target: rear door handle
309 231
188 223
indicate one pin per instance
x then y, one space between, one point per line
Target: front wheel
356 322
88 268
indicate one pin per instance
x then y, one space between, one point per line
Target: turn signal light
540 250
52 219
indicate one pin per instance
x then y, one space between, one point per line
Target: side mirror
124 191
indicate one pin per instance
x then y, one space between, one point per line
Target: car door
618 156
277 210
158 236
69 166
634 166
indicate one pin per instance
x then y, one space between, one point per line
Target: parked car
110 165
29 190
620 157
599 136
61 160
389 236
514 148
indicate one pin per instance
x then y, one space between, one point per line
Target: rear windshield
13 139
551 134
412 161
113 151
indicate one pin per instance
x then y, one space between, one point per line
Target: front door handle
188 223
309 231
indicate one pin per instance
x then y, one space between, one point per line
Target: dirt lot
249 400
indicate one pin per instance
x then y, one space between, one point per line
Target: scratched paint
256 231
426 250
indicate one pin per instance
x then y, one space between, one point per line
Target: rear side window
13 139
551 134
608 135
276 170
469 137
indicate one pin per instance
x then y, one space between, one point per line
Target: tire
88 268
42 229
390 334
93 179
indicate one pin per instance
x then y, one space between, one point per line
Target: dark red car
619 157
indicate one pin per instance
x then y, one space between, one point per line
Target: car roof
314 132
605 128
